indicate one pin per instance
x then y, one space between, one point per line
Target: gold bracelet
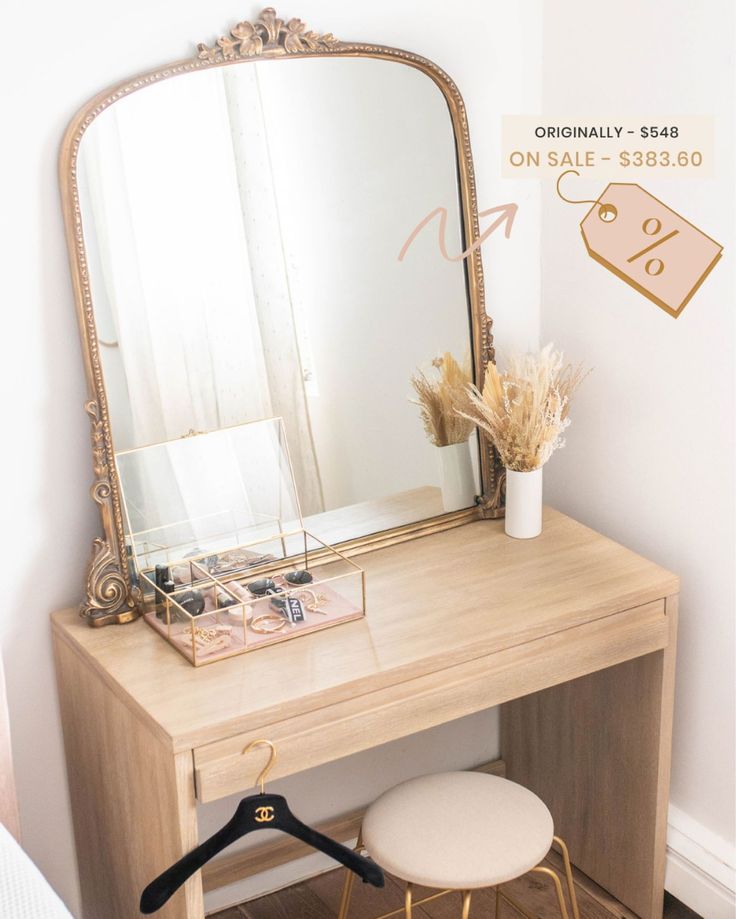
260 623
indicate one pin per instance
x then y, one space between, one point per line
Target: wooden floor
319 897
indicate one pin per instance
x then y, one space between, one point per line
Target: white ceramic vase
456 476
524 503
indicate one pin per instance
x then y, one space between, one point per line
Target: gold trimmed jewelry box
217 546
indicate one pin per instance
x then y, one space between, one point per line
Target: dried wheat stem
524 411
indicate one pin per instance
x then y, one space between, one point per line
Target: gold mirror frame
110 596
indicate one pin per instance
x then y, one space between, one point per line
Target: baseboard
701 867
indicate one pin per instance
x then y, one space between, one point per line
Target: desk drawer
330 733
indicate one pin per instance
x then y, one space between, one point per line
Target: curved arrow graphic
507 214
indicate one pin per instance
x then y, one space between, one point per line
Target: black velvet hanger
256 812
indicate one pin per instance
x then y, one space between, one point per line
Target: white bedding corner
24 891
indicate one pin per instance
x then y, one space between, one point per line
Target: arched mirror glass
241 226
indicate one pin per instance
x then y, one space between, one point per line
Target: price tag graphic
648 245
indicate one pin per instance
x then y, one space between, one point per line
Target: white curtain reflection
279 336
174 508
203 342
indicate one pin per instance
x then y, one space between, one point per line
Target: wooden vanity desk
572 633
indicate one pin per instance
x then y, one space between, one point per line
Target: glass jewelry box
217 546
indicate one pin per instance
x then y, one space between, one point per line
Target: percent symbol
652 226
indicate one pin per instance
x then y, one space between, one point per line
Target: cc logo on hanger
264 814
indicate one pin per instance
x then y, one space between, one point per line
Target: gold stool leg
466 904
407 901
558 888
568 874
349 881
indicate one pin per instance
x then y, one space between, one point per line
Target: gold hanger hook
261 780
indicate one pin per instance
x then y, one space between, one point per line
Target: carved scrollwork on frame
100 465
109 596
267 34
487 350
492 502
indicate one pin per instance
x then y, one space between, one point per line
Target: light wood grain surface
604 773
458 621
369 719
132 800
432 603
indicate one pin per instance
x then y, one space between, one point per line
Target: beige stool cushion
458 829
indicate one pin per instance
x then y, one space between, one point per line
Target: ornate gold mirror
234 223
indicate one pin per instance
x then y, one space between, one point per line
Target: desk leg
597 751
132 798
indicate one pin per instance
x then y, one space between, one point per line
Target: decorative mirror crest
268 34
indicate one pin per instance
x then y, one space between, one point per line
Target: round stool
460 831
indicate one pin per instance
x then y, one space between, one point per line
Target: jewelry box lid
208 493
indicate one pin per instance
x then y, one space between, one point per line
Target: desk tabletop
433 602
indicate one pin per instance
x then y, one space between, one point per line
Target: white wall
650 455
63 55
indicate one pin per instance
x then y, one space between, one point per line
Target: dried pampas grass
442 401
524 410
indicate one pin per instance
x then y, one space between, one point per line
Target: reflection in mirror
173 511
221 561
242 226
